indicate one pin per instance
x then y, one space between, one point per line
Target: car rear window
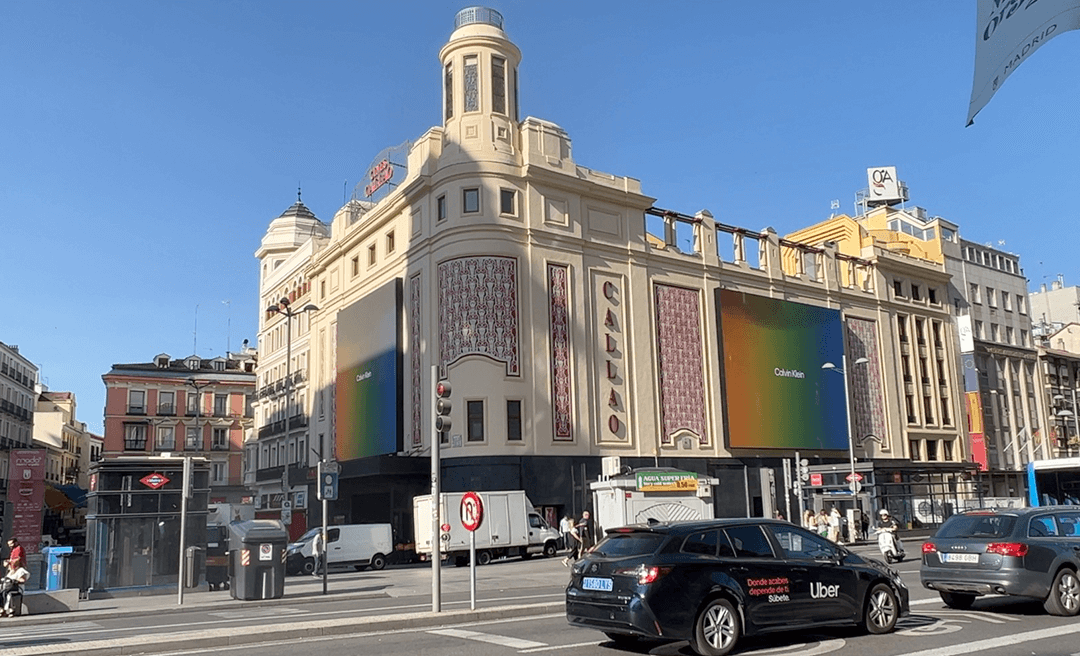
629 544
977 526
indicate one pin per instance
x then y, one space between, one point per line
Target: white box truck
662 494
359 545
510 527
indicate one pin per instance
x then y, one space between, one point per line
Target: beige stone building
576 321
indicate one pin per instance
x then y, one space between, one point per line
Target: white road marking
13 632
255 613
504 641
997 643
591 643
822 647
983 617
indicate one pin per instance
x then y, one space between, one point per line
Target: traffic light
442 406
803 470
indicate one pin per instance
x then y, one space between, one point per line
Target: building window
513 79
1021 306
915 295
192 404
901 327
440 208
1023 337
354 266
1010 336
371 255
220 439
991 297
976 297
932 293
931 450
166 403
1006 301
472 83
136 402
322 290
470 200
448 76
221 405
475 421
506 202
219 473
898 289
498 85
135 437
993 332
192 439
947 450
166 438
389 243
913 447
980 332
513 421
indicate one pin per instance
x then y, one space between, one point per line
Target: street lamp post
854 486
283 307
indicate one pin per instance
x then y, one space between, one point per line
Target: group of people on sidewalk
12 582
577 537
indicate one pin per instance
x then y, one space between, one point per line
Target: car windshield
629 544
307 536
977 526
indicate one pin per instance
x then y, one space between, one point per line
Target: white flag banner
1007 33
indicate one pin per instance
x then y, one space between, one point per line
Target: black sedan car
711 582
1025 552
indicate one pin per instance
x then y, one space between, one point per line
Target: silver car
1026 552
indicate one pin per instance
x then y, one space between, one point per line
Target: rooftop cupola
480 85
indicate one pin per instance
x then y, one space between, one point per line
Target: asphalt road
993 627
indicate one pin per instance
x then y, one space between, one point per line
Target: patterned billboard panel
368 391
775 393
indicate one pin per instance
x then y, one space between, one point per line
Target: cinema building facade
576 321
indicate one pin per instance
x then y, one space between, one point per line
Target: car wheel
717 628
1064 598
882 609
309 566
958 600
378 561
483 557
550 550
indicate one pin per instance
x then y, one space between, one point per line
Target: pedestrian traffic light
442 406
803 470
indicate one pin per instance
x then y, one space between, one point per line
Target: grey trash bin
257 559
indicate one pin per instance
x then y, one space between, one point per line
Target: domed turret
480 84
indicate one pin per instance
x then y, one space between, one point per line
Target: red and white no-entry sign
472 511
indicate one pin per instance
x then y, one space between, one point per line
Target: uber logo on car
819 590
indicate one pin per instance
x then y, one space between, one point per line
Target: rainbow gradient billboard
368 417
775 393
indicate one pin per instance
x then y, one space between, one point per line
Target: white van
359 545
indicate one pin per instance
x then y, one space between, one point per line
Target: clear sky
146 146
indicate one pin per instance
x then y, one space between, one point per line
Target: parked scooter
888 544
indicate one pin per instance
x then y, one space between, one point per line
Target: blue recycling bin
54 566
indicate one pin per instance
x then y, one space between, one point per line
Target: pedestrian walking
835 523
822 523
808 520
317 551
566 526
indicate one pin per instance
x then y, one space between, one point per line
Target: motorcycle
889 545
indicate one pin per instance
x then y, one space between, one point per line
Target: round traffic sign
472 511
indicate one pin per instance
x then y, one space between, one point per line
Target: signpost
472 515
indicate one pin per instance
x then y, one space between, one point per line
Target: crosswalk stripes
505 641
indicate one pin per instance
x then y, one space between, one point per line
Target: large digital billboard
368 415
775 393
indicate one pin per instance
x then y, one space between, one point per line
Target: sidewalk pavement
298 590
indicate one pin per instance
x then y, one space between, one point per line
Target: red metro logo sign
154 481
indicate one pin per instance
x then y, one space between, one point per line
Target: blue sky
147 145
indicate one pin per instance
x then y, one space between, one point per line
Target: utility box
54 566
257 559
657 493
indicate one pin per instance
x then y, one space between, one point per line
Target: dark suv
711 582
1027 552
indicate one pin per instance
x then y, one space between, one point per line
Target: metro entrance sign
472 511
854 475
154 481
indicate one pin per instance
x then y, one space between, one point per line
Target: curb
225 637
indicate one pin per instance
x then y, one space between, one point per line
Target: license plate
593 583
959 558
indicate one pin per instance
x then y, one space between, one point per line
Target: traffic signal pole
436 533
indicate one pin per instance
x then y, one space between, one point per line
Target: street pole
183 530
436 533
851 438
323 555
